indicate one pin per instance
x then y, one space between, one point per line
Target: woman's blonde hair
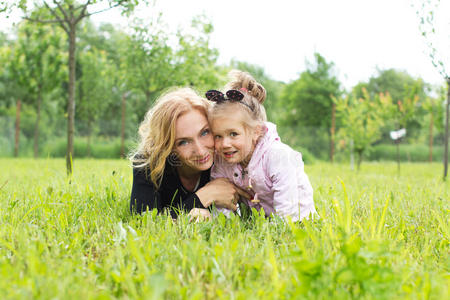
254 96
157 131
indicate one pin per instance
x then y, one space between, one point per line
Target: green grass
380 236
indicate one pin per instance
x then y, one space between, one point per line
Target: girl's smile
229 154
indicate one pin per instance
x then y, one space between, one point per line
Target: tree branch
60 21
102 10
66 17
83 12
47 22
79 7
41 21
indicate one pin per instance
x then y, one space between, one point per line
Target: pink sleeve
292 189
218 169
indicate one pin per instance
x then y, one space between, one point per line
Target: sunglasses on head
232 95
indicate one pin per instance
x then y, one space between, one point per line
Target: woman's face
194 143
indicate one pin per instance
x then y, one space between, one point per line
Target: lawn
381 235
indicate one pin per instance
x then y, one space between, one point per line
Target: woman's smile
205 159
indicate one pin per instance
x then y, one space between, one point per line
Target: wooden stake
122 135
431 138
16 145
446 130
333 130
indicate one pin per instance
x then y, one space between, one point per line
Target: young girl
250 154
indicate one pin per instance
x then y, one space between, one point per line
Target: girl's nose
225 143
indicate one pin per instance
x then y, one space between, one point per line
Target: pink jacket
275 178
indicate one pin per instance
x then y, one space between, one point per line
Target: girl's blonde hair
157 131
254 96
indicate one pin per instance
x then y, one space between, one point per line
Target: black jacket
171 195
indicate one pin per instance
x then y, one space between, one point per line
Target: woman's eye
182 143
205 132
217 137
234 134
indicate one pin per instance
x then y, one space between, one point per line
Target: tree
113 43
94 94
39 51
400 86
148 60
96 74
435 112
361 120
437 42
13 76
309 98
152 65
10 75
194 57
402 113
395 82
67 14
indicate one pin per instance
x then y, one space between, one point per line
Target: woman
171 166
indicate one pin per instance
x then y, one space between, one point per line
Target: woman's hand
199 214
222 193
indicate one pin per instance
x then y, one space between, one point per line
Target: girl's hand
222 193
199 214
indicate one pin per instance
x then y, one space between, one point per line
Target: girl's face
194 143
232 142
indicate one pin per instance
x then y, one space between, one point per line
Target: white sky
279 35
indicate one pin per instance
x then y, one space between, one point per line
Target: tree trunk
352 159
431 138
446 130
147 96
71 100
38 119
359 159
16 142
398 155
333 130
122 132
88 154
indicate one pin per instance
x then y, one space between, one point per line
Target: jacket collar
271 136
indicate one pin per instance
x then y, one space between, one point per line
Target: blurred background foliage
120 74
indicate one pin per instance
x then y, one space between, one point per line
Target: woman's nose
199 148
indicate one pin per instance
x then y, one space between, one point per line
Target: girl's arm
222 193
293 194
218 171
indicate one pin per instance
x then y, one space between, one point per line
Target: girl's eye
205 132
217 137
233 134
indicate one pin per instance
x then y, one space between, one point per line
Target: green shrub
6 147
308 157
100 148
411 153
